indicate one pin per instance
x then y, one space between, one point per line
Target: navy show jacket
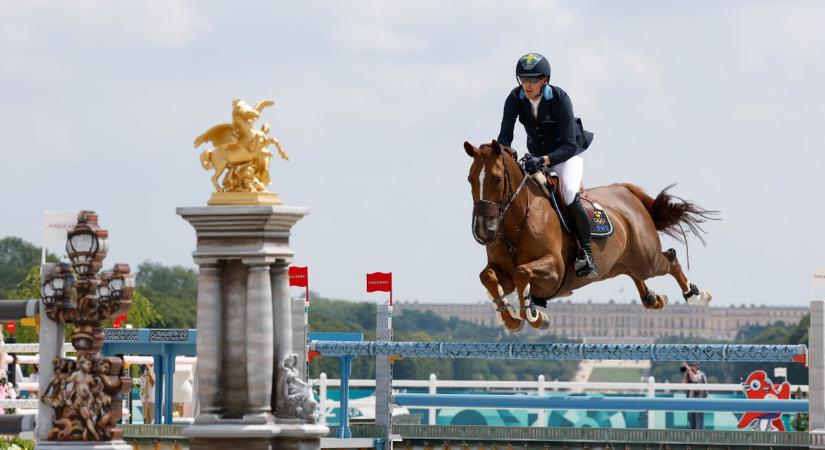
555 132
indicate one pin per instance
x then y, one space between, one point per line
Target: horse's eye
497 180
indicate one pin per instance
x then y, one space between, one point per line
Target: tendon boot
585 265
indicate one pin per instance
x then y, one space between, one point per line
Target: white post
51 346
433 381
322 398
816 368
541 419
383 371
651 392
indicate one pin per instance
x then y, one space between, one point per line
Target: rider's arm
567 139
508 120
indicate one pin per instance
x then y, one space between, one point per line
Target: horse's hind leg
498 286
692 294
650 299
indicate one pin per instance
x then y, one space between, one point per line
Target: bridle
486 208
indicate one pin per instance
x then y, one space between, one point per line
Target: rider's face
533 86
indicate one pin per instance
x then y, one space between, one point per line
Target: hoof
507 315
541 322
512 324
696 296
654 300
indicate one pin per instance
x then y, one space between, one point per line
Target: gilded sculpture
241 156
87 394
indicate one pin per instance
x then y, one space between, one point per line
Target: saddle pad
600 225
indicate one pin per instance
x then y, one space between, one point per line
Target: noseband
487 209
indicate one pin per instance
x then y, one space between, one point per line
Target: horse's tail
206 160
671 214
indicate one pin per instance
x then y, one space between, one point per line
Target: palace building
622 320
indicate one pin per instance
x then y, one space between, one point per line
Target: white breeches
570 176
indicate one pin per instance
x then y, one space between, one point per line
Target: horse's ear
496 147
468 147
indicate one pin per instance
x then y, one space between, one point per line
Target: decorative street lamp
86 394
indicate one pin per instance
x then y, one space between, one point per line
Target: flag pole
306 326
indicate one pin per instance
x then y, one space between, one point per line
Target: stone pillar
383 374
816 368
259 345
210 339
245 328
233 382
282 333
299 337
51 346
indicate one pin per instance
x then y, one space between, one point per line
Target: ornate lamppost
86 393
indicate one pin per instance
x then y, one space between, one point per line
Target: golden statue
241 151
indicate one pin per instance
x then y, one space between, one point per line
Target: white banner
817 277
57 226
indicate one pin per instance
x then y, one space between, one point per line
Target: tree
172 291
142 313
16 258
28 288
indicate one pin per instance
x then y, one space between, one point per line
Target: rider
554 139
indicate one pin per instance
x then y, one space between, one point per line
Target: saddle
600 224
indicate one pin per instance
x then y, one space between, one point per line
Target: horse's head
491 177
241 110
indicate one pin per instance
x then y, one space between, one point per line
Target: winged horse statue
241 149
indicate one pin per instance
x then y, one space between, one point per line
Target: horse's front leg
498 285
545 269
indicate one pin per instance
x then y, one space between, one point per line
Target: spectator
692 375
147 389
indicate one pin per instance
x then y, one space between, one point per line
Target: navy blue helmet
533 65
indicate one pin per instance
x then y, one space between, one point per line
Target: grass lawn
616 374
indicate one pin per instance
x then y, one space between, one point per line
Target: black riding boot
585 265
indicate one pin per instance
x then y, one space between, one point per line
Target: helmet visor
531 79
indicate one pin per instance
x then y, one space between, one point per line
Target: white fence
540 386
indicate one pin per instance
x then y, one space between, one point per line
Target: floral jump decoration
86 392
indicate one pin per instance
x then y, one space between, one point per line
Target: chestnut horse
528 251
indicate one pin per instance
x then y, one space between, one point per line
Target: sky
100 102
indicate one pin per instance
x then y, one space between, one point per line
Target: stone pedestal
244 328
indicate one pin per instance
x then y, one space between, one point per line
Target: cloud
173 23
380 40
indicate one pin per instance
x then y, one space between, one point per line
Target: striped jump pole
567 352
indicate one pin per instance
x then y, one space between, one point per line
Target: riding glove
533 164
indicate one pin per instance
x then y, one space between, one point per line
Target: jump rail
562 352
600 403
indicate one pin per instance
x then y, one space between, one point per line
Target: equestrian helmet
532 65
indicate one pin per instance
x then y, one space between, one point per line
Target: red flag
380 281
11 327
299 276
118 322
